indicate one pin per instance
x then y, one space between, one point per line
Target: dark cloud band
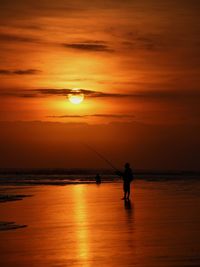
96 46
112 116
8 37
37 93
153 95
19 72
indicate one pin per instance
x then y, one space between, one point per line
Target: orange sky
135 61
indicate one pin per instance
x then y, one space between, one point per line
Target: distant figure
127 176
98 179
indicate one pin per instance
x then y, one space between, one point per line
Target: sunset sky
136 62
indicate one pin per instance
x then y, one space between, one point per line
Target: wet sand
89 225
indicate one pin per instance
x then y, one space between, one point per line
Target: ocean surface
85 224
64 177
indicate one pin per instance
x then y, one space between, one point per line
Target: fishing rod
101 156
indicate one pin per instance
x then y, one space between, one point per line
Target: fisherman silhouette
127 176
98 179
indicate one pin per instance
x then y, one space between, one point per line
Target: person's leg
124 189
128 191
125 194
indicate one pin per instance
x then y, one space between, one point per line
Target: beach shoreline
88 224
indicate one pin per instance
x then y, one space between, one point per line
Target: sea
62 218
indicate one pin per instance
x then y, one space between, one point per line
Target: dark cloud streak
91 46
151 94
19 72
147 41
117 116
6 37
60 92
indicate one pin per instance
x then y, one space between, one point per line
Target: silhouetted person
98 179
127 176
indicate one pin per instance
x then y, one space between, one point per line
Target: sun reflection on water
81 227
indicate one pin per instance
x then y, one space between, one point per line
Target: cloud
90 46
7 37
19 72
148 41
158 94
61 92
117 116
140 40
58 92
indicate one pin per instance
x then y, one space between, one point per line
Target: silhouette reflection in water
129 208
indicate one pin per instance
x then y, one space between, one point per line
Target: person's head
127 165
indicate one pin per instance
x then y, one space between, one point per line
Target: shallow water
89 225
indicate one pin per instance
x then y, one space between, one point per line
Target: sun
76 97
